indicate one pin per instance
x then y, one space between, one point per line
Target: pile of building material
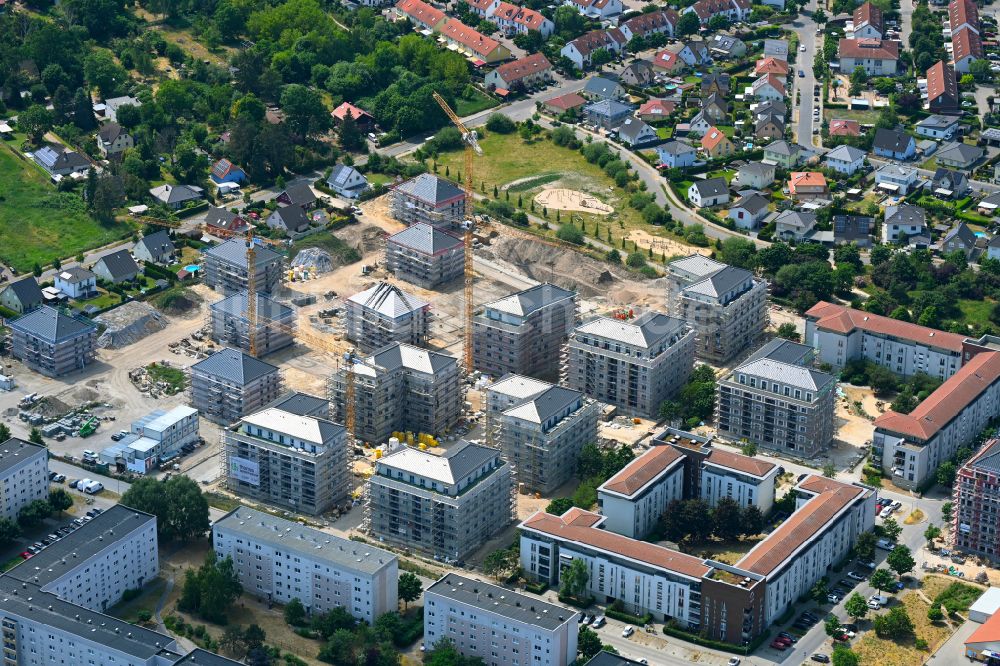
128 324
199 345
314 260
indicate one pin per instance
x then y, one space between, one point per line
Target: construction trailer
384 314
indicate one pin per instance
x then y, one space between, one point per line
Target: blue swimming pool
192 268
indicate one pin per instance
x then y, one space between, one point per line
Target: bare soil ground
562 198
666 246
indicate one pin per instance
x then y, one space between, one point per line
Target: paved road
976 185
806 29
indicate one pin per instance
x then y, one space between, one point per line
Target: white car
874 605
884 544
628 631
734 661
802 48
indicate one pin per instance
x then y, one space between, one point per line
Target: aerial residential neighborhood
494 333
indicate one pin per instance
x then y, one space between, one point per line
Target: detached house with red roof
716 144
473 42
771 65
876 56
804 185
364 120
841 127
596 9
521 74
667 61
580 50
420 14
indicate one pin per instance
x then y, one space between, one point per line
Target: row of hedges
677 632
197 208
573 601
628 618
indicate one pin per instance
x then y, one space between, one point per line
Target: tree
845 656
102 72
254 636
351 138
295 613
570 234
789 331
753 520
946 510
613 256
232 641
832 623
445 653
931 533
258 656
946 473
9 531
980 70
4 432
588 643
688 24
856 606
900 560
211 589
829 471
935 614
573 580
864 547
305 112
727 519
895 624
336 619
35 437
559 506
501 563
635 260
748 449
180 507
409 587
859 77
891 529
882 580
501 124
33 513
60 500
35 121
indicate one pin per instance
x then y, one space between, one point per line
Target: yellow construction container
378 453
423 447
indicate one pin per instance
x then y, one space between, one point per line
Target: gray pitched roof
235 366
293 218
301 404
157 243
389 300
501 601
721 78
75 274
547 404
219 217
120 264
711 186
676 148
753 203
938 122
721 282
299 194
892 140
171 194
643 331
603 658
786 373
399 355
960 152
598 85
426 239
757 169
430 189
234 251
199 657
607 107
267 309
955 181
905 214
963 232
797 218
783 351
771 107
989 459
852 226
782 147
632 127
456 464
110 131
341 173
51 325
845 153
523 303
28 293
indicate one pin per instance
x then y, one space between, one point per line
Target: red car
779 645
783 639
26 555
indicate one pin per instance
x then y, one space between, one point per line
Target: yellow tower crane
472 148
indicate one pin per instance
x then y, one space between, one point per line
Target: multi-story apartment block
977 503
297 462
384 314
749 481
446 506
230 384
497 625
425 255
428 199
726 306
400 388
542 436
911 446
635 365
633 500
522 333
501 395
842 334
225 267
94 565
776 401
273 328
24 475
52 343
280 560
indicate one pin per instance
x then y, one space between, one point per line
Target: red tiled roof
771 79
420 11
616 544
593 40
634 476
643 24
347 108
840 127
963 12
871 49
803 524
820 484
840 319
566 102
471 39
941 81
944 404
868 14
529 18
656 107
966 43
988 632
599 4
581 517
806 179
713 137
706 9
771 65
740 462
517 70
666 59
481 5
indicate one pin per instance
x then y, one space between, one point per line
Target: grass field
39 224
865 117
174 377
466 106
976 312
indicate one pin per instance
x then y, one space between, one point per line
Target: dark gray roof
51 325
543 406
753 203
721 282
234 251
852 226
711 186
219 217
199 657
779 121
608 108
721 78
293 218
110 131
645 331
235 366
758 168
938 122
267 308
430 189
598 85
718 100
782 147
963 232
28 293
989 459
524 303
892 140
784 351
632 127
797 217
75 274
501 601
74 549
603 658
299 194
676 148
120 264
958 151
845 153
157 243
341 173
15 451
302 404
771 106
955 181
399 355
792 374
426 239
175 193
905 214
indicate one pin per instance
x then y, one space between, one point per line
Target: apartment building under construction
225 267
425 256
428 199
400 388
231 323
726 306
522 333
446 506
230 384
384 314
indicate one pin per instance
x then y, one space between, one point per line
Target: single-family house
966 48
694 54
597 9
638 74
699 125
290 219
226 220
755 175
155 248
715 83
959 155
794 224
676 154
607 113
60 161
299 194
112 105
225 171
521 74
868 22
655 109
989 206
716 144
636 134
715 108
894 144
768 87
771 107
22 295
709 192
668 61
564 103
347 181
776 48
842 127
938 126
853 229
903 221
845 159
942 88
651 23
598 88
76 282
782 153
176 196
949 184
993 248
364 121
771 65
732 10
473 42
805 185
877 57
421 14
749 211
726 47
959 238
113 140
896 178
580 50
117 267
769 127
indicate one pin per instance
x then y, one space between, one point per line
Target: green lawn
376 179
665 132
466 106
39 224
104 299
864 117
976 312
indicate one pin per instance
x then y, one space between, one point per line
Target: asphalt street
805 26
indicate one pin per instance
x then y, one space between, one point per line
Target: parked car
778 645
583 618
874 605
884 544
733 661
885 513
59 478
879 598
785 634
802 48
821 658
867 565
802 74
628 631
599 622
833 598
855 575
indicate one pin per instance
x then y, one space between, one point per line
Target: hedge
716 645
197 208
573 601
629 619
536 588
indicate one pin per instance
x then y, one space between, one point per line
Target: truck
89 427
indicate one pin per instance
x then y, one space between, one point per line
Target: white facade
171 430
695 197
845 159
501 627
719 481
76 283
24 475
634 499
280 560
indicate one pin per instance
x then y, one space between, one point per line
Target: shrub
500 124
635 260
570 234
